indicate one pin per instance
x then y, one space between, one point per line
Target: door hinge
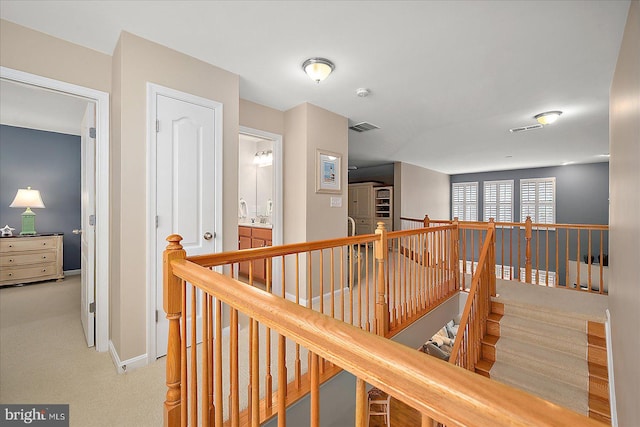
156 316
156 221
157 125
92 133
92 220
92 307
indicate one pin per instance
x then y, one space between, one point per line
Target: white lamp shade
27 198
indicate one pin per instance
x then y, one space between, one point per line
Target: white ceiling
447 78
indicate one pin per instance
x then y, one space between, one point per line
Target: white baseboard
314 300
72 272
126 365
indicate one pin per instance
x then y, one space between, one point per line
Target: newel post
527 236
426 221
492 258
455 252
382 310
172 304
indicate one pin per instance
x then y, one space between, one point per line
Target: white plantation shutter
498 200
465 201
538 200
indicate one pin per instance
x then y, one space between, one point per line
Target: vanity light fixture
263 158
548 117
318 68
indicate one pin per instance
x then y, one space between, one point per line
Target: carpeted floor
44 359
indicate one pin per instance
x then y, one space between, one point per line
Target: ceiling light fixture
362 92
318 68
548 117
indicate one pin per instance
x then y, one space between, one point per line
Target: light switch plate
336 202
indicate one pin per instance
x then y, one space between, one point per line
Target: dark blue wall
582 197
49 162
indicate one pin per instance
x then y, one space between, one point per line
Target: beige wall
293 186
327 131
37 53
260 117
422 192
140 61
624 182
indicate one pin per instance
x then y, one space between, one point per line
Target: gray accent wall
582 191
49 162
582 197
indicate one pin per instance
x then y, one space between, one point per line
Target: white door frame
153 90
102 187
277 218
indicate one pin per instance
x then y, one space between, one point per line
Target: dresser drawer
39 272
31 257
26 244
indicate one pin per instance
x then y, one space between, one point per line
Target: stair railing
439 391
466 350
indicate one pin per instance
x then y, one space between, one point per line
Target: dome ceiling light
548 117
318 68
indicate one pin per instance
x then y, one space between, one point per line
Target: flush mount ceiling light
548 117
318 68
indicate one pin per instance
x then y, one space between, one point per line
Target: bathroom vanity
254 235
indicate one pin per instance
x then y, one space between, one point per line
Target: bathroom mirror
255 179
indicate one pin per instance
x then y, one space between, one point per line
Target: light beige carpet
44 359
543 341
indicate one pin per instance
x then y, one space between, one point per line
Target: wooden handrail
212 260
436 389
484 263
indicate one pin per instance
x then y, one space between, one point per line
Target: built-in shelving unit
383 204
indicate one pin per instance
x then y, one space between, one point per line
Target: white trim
277 218
612 386
126 365
153 90
102 188
315 300
72 272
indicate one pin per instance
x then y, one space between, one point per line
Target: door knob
208 236
76 231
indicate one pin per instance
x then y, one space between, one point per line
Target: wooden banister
436 389
382 309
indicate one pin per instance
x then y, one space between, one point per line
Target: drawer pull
10 274
44 270
44 257
10 259
10 246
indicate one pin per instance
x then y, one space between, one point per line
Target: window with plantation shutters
464 201
498 200
538 200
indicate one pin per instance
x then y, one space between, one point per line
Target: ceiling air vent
363 127
526 128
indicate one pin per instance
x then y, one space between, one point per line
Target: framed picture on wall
328 172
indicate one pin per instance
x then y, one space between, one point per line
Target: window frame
537 202
498 203
465 204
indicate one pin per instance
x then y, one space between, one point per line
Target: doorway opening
99 189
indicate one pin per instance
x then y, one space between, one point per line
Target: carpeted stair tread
544 334
542 314
547 388
544 360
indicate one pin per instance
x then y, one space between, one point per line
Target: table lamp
28 198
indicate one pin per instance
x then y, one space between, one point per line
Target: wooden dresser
26 259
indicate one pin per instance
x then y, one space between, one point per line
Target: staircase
557 355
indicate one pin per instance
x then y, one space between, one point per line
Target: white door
87 232
185 189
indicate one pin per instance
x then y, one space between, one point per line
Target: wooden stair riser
600 408
597 355
497 307
599 387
